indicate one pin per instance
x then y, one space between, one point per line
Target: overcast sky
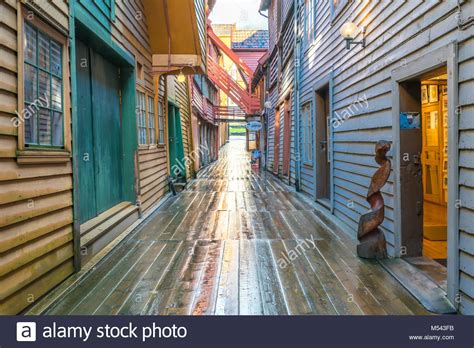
243 12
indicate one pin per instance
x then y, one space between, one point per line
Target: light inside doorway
434 159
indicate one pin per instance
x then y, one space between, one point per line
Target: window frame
309 40
35 65
148 96
138 115
161 106
26 153
151 115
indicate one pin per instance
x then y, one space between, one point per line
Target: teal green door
175 141
99 147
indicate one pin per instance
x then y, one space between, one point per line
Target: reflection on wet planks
236 242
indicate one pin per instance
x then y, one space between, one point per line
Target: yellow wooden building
76 173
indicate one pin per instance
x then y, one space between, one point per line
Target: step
98 238
88 226
432 269
424 289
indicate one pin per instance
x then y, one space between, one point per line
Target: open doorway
276 144
323 160
434 121
424 172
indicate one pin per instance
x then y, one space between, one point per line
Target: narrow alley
236 243
236 157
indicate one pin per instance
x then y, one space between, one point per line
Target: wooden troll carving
372 240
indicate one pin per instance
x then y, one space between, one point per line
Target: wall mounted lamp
181 77
349 32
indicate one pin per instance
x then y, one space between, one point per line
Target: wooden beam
228 52
177 60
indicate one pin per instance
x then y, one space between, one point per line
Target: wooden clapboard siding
183 99
179 94
273 24
355 77
466 173
287 76
281 80
397 33
131 31
35 200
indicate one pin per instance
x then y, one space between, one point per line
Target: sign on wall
254 126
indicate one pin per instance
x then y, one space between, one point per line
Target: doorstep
428 292
101 230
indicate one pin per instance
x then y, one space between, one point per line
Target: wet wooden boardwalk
234 243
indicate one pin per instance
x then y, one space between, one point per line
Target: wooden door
432 129
99 147
175 141
107 132
276 145
286 139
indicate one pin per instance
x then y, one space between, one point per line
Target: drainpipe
297 53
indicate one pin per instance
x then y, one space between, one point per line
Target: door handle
323 145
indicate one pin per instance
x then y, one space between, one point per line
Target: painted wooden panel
35 200
130 30
466 174
397 32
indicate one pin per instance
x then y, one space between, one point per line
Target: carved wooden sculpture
372 240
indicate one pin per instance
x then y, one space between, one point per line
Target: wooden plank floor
234 243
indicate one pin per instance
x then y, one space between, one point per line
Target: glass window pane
30 83
152 136
43 51
142 135
44 124
57 129
56 59
30 44
44 86
30 127
162 137
56 97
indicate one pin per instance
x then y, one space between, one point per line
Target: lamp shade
181 77
349 31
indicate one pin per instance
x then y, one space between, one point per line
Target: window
310 21
161 124
151 121
43 89
307 126
141 118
